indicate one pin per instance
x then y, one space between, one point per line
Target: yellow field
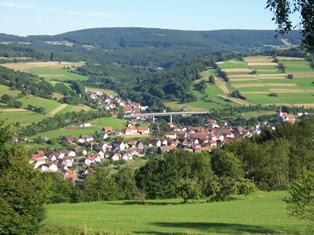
24 66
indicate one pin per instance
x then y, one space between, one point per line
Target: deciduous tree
23 191
284 9
301 201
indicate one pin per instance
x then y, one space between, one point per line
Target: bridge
163 114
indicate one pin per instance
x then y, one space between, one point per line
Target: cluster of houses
88 151
111 102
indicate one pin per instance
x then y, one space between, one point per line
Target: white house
85 124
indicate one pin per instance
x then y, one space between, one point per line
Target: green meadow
114 122
6 90
23 117
261 213
55 73
76 131
47 104
253 89
297 66
233 64
305 83
290 91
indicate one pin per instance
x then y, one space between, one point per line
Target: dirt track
56 110
224 89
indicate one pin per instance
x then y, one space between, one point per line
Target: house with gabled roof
171 135
212 123
144 130
129 131
108 129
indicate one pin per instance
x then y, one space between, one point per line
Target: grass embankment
263 213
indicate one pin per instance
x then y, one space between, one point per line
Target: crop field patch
281 84
258 59
304 75
238 70
276 80
243 90
245 81
288 90
232 64
242 76
248 85
286 58
28 65
280 75
298 66
262 64
269 79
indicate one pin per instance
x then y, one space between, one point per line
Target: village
124 145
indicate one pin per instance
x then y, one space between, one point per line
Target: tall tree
23 191
284 9
301 201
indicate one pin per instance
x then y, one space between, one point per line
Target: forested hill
145 37
114 38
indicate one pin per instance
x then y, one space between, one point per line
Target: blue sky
50 17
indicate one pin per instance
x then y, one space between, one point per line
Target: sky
51 17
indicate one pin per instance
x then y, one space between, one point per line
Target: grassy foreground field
263 213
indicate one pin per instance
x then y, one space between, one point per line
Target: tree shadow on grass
148 203
214 228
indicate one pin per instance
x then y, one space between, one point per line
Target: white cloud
21 5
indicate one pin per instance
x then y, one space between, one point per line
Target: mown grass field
262 213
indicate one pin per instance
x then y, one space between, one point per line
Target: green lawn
263 213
